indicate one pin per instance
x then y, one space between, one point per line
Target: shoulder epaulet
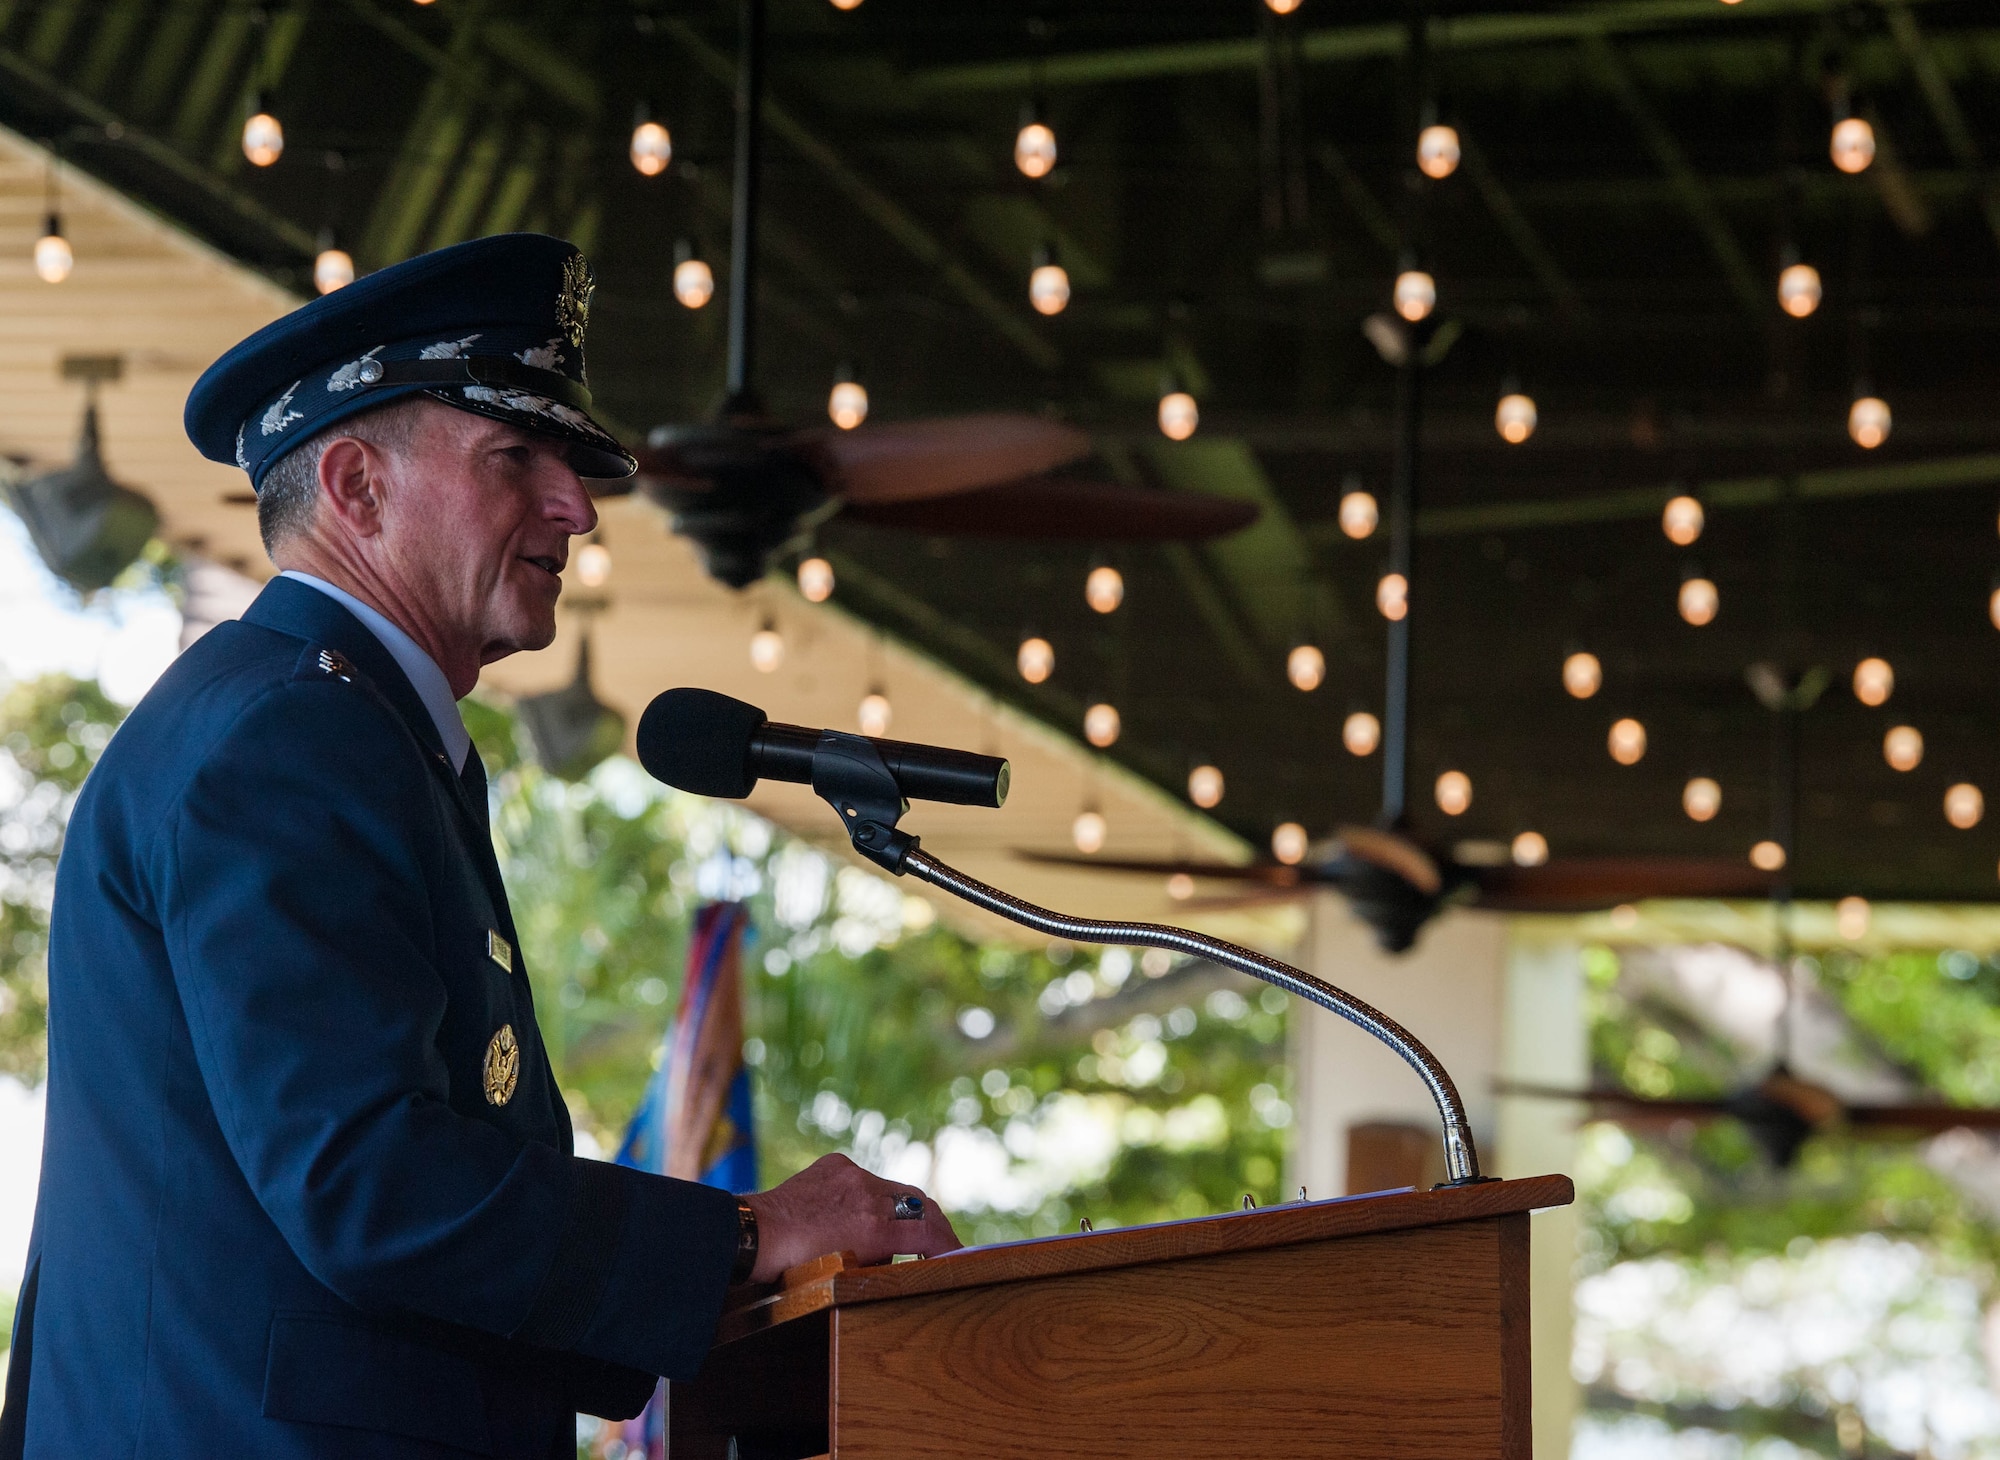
334 665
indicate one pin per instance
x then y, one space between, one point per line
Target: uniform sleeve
294 877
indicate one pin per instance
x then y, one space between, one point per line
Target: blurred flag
694 1120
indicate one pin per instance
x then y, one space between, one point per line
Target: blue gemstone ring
909 1208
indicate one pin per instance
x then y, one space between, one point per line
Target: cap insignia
241 460
281 414
353 374
573 299
543 357
446 349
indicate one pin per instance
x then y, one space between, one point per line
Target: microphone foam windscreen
697 740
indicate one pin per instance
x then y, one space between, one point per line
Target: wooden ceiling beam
1943 104
1520 232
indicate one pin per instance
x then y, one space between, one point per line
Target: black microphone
700 741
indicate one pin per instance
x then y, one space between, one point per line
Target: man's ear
350 484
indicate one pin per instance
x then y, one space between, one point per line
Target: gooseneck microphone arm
1461 1157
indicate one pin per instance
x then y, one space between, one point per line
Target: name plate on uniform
500 950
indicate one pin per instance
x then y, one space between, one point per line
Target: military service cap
494 326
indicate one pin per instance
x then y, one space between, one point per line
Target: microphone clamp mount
849 774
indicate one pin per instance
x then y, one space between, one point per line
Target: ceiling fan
745 486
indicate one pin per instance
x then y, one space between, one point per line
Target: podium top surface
837 1280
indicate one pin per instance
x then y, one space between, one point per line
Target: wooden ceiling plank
213 69
171 37
281 43
111 45
52 31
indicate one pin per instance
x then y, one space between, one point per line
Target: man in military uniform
308 1187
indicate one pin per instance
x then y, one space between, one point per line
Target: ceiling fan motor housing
740 494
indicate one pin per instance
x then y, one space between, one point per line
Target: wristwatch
746 1242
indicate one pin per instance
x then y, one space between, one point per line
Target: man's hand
835 1206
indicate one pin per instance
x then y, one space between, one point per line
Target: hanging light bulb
263 137
1048 285
593 564
1852 144
1454 793
1437 151
1992 601
1903 748
1104 589
767 649
1282 7
53 256
1530 849
1416 294
652 145
847 404
1101 725
846 4
1799 290
1850 918
815 580
1701 798
1682 521
1627 742
1874 681
1767 856
1036 660
1361 732
1583 676
1305 667
1392 596
1205 786
1289 842
873 714
1868 422
1034 145
1180 887
1358 514
1964 805
1178 415
333 268
694 281
1699 601
1514 418
1088 832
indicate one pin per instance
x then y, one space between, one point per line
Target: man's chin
526 630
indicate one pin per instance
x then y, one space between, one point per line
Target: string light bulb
1964 805
1530 849
1289 843
1359 513
1205 786
815 580
846 4
874 714
263 136
1282 7
1048 285
53 256
1767 856
1305 667
694 281
1437 151
1392 597
1701 799
1101 725
1036 659
1035 146
1583 675
1178 415
1874 682
1799 290
1104 589
1852 145
847 404
1682 521
1454 793
1903 748
593 564
767 649
1361 732
652 145
1868 422
333 268
1850 918
1699 601
1993 607
1088 832
1415 295
1627 742
1514 418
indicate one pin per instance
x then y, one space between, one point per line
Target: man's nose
572 505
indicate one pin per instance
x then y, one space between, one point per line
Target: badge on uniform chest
500 950
503 1066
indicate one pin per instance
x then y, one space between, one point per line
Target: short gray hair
289 495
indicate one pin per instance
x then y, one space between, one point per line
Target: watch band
746 1243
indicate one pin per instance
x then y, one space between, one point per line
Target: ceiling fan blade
1578 884
1268 874
1927 1118
910 461
1393 853
1605 1101
1060 509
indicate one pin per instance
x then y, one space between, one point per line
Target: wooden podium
1378 1326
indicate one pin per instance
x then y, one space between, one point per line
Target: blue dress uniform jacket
307 1187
